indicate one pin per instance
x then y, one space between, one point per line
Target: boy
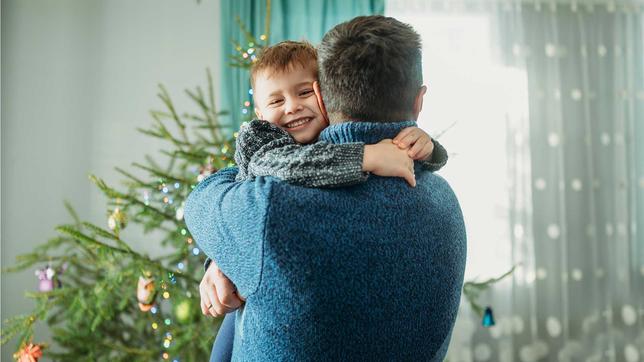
282 82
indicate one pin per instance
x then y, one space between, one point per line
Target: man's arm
226 218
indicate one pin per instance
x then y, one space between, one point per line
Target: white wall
78 78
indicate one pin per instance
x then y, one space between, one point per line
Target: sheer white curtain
546 99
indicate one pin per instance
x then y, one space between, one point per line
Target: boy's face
286 99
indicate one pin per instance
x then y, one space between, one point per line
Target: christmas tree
102 299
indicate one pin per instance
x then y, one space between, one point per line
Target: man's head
371 70
282 81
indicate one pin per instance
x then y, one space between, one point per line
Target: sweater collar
359 131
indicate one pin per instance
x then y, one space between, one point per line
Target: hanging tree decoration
183 310
472 291
117 220
29 353
145 293
488 318
48 279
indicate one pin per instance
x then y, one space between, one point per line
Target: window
471 96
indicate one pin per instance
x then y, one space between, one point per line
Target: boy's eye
306 92
274 102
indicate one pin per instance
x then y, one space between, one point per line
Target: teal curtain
289 19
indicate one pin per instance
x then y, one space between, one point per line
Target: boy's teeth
298 123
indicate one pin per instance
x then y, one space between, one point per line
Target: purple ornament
47 280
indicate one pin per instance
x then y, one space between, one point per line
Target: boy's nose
293 107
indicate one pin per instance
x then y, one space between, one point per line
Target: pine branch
151 133
473 289
162 174
164 133
113 194
72 212
214 118
39 254
165 98
108 235
193 156
136 180
93 243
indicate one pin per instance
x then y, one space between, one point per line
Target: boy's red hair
283 56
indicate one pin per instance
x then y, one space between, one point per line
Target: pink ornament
47 280
46 285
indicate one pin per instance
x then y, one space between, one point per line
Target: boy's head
282 81
371 69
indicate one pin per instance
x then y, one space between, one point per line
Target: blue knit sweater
367 272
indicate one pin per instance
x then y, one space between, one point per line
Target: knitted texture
264 149
368 272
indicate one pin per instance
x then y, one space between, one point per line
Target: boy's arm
266 150
226 219
437 159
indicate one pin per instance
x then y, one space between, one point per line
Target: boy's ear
258 113
418 102
318 96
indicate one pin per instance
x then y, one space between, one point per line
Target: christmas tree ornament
172 278
117 220
111 222
179 213
28 353
145 293
146 197
47 279
488 318
183 310
205 171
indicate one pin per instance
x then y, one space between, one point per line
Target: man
367 272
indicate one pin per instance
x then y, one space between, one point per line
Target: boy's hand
388 160
218 294
419 141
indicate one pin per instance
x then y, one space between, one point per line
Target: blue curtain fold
289 19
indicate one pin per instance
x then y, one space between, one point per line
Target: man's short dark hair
371 69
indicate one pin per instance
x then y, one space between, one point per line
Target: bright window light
471 96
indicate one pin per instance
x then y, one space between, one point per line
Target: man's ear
258 113
318 96
418 102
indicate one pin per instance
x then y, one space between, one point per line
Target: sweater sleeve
227 218
266 150
438 159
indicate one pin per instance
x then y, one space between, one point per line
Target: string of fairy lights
246 57
165 196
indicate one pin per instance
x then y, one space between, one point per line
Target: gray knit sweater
264 149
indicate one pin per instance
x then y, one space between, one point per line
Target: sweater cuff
352 159
438 159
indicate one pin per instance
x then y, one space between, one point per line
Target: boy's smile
287 100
